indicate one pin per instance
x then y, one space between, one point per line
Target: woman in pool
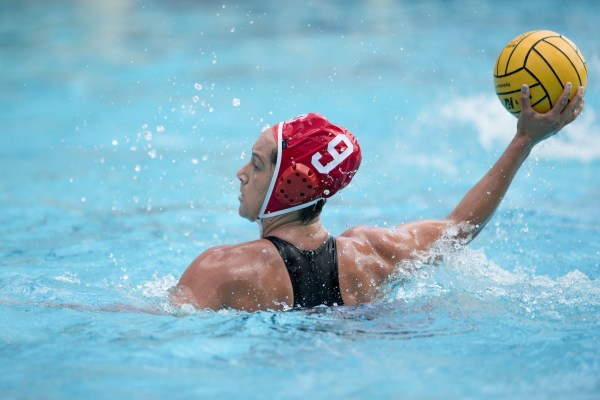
294 167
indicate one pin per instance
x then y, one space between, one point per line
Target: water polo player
295 166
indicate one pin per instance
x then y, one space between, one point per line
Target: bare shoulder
241 276
235 257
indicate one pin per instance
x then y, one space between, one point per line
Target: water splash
467 276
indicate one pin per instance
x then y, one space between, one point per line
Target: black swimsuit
314 274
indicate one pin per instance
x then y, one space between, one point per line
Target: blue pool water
124 122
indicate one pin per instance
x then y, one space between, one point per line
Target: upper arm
401 242
421 235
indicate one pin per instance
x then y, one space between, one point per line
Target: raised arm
480 203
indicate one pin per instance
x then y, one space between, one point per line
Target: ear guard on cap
297 184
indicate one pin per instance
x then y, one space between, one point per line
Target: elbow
181 295
462 231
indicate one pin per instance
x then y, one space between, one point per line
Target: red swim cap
315 159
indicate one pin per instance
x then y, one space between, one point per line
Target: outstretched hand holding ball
543 60
536 126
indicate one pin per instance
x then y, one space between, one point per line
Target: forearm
480 203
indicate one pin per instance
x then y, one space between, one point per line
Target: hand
537 127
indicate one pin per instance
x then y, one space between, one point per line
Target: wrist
522 143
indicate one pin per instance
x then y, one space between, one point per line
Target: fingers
576 101
575 106
540 126
563 99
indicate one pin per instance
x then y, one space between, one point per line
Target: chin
246 215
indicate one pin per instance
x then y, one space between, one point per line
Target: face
255 176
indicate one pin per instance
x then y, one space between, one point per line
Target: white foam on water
493 124
156 293
68 277
468 272
158 287
495 127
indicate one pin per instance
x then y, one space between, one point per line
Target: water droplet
138 168
194 161
235 102
160 128
210 109
197 86
147 135
152 153
195 99
115 142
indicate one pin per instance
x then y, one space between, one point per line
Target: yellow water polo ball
545 61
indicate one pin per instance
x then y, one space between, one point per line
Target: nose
242 176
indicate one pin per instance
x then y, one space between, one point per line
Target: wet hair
274 156
311 212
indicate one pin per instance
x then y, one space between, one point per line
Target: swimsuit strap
314 273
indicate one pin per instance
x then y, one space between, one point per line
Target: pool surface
124 123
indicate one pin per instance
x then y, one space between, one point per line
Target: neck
291 228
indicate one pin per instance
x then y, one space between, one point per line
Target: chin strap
259 221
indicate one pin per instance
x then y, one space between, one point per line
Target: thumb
525 100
